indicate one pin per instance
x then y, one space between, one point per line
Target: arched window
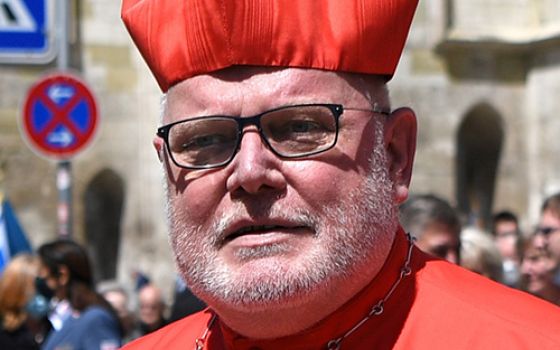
103 205
479 143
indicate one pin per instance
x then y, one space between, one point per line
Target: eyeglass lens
290 132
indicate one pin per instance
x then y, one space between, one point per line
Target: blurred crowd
49 300
529 261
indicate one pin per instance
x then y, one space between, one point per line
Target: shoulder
97 315
463 302
180 334
94 328
100 329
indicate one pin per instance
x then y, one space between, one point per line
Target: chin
259 284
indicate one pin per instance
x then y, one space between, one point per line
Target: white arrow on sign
62 137
15 17
59 92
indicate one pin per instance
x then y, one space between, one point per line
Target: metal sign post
64 186
64 168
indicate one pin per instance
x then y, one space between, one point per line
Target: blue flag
12 237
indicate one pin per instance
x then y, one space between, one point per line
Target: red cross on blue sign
60 116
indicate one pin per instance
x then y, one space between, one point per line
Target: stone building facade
482 75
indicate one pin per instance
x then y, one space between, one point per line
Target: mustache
295 215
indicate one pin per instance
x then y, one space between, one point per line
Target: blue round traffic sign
59 116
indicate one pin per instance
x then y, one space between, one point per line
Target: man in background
507 236
548 230
151 309
435 224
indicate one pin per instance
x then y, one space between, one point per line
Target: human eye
201 142
298 126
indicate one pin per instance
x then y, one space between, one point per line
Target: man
548 230
151 309
547 233
434 224
284 172
507 236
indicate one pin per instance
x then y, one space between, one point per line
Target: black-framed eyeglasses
289 132
546 230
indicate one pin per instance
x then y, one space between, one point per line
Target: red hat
181 39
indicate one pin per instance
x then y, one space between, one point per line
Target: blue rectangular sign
26 34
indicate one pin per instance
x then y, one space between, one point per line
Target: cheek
318 183
555 241
198 199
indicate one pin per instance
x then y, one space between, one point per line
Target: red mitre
181 39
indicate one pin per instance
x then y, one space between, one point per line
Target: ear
400 143
159 146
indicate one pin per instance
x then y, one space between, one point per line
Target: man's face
439 240
548 234
506 239
150 306
264 230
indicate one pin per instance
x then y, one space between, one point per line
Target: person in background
93 323
435 224
119 299
548 229
17 291
508 238
51 284
284 168
479 254
151 309
538 270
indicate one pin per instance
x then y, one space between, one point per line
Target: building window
479 143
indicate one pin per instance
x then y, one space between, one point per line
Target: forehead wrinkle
201 95
252 90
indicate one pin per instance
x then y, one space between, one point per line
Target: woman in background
538 269
17 290
93 323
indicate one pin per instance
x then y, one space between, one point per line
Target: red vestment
438 306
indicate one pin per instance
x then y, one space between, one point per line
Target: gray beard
352 234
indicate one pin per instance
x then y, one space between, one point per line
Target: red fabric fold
180 39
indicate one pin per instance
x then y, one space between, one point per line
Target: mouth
260 230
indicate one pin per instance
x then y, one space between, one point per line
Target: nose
255 168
